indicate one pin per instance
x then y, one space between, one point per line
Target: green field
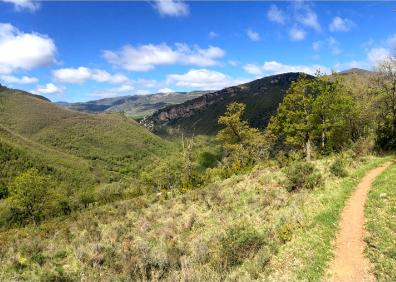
381 226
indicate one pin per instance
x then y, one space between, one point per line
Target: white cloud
274 67
23 4
276 15
142 92
391 41
146 57
82 74
377 55
213 34
203 79
341 24
330 43
165 90
253 70
49 88
18 80
112 92
317 45
306 16
296 33
26 51
334 45
254 36
173 8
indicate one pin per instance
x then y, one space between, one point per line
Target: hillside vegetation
200 115
381 226
110 142
244 228
253 202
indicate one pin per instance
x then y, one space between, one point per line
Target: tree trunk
308 150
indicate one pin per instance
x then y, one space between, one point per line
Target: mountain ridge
200 115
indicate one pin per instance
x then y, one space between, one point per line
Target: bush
338 169
240 243
302 175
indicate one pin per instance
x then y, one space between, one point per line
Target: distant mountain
200 115
137 106
355 71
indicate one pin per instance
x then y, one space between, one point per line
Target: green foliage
240 242
302 175
243 144
163 174
338 168
314 112
32 195
385 89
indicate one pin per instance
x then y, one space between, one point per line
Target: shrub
338 169
302 175
239 243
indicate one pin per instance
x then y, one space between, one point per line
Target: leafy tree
294 121
244 144
314 112
32 194
385 90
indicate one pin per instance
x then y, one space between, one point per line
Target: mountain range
137 106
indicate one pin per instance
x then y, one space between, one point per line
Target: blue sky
79 51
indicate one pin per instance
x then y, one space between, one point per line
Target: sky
80 51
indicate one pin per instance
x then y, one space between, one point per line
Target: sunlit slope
110 141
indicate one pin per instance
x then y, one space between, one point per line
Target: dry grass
186 237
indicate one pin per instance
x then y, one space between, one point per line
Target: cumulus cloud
18 80
213 34
147 57
377 55
276 15
49 89
112 92
165 90
173 8
391 41
253 70
317 45
296 33
25 51
304 15
330 43
82 74
341 24
254 36
20 5
203 79
274 67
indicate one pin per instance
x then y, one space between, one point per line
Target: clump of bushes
338 168
239 243
302 175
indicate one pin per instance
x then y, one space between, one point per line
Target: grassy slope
18 154
176 237
381 225
307 256
110 141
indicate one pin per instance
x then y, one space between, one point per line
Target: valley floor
247 227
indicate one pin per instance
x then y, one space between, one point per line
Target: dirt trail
349 263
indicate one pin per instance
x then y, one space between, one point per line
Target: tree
385 90
32 194
314 112
293 122
243 144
